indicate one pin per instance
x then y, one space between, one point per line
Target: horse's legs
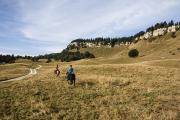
58 73
74 82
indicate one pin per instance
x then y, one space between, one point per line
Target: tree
133 53
139 34
173 34
171 23
48 60
35 59
7 59
113 42
150 29
87 54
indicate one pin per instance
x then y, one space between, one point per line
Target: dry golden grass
18 69
107 88
105 91
12 71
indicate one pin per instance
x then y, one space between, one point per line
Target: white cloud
49 49
5 50
61 21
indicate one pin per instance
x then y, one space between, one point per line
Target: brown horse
57 71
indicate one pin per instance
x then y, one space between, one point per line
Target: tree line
12 58
67 56
7 59
64 56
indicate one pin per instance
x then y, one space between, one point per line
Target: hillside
147 90
158 30
162 47
160 41
111 86
114 47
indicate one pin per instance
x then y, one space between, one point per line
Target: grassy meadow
18 69
13 71
107 88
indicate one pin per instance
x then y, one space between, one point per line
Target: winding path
30 74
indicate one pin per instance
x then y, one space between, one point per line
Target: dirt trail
30 74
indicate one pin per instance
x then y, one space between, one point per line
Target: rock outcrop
158 32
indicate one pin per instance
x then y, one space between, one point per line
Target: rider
70 73
57 71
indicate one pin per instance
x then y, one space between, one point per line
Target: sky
33 27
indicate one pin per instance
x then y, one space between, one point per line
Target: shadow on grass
116 83
86 84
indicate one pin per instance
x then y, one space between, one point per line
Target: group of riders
70 74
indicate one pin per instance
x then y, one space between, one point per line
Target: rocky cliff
158 32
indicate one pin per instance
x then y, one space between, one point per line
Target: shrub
88 55
173 54
177 28
173 35
35 59
91 56
73 56
48 60
133 53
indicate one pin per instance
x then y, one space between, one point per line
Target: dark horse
71 79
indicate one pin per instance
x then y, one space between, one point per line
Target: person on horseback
57 71
71 75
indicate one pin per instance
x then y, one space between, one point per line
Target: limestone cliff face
94 45
158 32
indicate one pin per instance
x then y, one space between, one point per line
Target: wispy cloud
5 50
57 22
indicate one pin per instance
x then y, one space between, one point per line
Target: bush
48 60
35 59
133 53
88 55
91 56
173 35
173 54
73 56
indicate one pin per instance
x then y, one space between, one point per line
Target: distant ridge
159 29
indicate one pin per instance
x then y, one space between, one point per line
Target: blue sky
33 27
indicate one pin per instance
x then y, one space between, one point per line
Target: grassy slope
164 47
102 92
104 52
9 71
20 68
139 90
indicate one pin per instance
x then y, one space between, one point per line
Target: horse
71 79
57 72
